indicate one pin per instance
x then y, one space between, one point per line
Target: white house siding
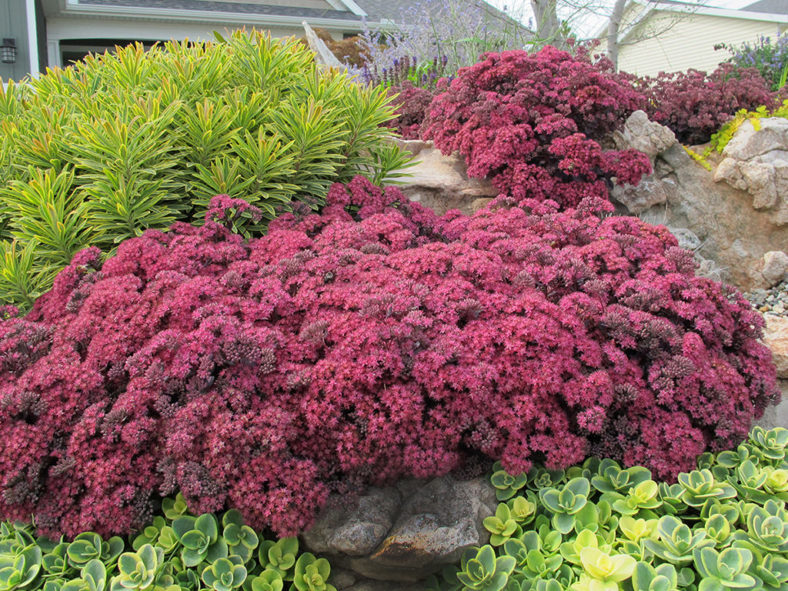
689 42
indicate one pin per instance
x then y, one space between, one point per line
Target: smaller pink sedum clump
695 104
347 349
533 124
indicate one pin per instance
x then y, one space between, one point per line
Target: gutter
746 15
32 38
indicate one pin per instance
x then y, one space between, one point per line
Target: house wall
72 29
14 25
688 42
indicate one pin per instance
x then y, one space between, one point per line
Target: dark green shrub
97 153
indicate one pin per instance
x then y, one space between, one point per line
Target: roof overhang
75 8
347 5
745 15
684 8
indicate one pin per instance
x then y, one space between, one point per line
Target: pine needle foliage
96 153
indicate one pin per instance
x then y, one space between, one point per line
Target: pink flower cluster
411 105
533 123
695 104
353 347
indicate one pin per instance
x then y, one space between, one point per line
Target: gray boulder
644 135
775 267
404 532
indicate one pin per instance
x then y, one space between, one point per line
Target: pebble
773 301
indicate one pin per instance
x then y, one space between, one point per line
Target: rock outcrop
756 161
404 532
775 336
441 182
644 135
739 212
774 269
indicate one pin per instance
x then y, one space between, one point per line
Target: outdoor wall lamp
8 51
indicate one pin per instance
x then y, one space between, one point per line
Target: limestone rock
775 267
404 533
756 161
648 193
644 135
441 182
480 203
775 336
764 177
776 416
747 142
687 238
342 578
738 213
356 529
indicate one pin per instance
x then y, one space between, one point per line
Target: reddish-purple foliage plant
532 123
362 347
694 105
411 106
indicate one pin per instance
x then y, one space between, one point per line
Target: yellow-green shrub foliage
97 153
725 134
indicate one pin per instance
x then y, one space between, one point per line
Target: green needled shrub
96 153
177 552
598 527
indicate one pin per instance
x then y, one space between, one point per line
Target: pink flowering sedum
411 105
533 123
356 348
695 104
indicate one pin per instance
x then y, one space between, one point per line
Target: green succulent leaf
505 484
726 569
481 570
18 570
311 573
279 556
268 580
85 547
224 574
174 508
137 570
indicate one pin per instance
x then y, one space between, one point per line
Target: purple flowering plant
431 40
768 55
695 104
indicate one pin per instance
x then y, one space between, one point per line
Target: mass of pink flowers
370 342
695 104
411 104
532 123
